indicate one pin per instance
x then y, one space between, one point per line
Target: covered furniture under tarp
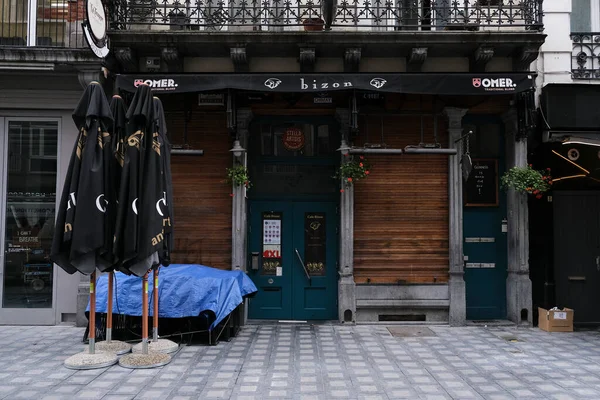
192 298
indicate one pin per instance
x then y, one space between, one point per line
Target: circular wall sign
97 20
293 139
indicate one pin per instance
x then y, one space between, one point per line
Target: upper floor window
585 16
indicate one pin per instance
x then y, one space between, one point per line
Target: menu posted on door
315 250
481 189
271 244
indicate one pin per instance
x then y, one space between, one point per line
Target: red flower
346 155
349 179
531 165
536 191
360 165
539 196
341 190
547 169
367 172
361 157
231 194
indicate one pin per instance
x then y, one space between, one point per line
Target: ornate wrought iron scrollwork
585 62
368 15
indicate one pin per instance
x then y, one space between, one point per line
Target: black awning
425 83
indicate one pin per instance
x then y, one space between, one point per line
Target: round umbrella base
114 346
160 346
140 360
85 360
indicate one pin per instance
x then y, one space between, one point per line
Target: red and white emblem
476 82
138 82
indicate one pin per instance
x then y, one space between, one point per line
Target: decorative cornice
480 58
417 57
127 58
239 58
352 59
59 56
307 59
525 56
171 57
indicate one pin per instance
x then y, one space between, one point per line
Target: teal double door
293 256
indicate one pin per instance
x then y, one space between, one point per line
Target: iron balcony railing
314 15
585 63
44 23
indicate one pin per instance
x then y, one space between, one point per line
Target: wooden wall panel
202 201
401 210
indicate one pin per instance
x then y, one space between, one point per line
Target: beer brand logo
476 82
377 83
272 83
497 85
157 84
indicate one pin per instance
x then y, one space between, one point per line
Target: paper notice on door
272 231
279 271
560 315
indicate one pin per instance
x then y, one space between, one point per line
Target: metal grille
347 15
584 60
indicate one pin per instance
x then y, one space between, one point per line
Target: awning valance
416 83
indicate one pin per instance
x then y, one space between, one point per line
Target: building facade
416 91
45 63
568 95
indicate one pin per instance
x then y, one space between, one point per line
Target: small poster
272 230
315 238
271 248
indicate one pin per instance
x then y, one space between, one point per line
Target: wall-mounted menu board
481 189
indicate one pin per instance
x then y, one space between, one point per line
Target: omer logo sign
157 84
499 84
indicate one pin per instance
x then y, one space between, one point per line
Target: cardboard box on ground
555 320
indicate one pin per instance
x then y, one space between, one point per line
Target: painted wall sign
315 245
293 139
94 28
481 189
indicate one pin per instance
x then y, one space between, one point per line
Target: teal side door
485 243
293 260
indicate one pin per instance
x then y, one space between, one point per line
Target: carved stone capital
352 59
455 116
307 59
524 57
88 75
417 57
171 57
480 58
239 58
127 59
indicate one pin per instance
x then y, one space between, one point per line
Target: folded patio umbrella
83 233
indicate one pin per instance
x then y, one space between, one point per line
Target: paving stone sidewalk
319 362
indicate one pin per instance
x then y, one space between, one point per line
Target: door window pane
30 207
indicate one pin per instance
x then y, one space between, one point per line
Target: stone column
346 285
518 284
456 285
239 227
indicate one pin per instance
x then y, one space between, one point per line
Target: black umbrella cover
166 181
82 240
139 233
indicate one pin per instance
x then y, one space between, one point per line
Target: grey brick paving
317 362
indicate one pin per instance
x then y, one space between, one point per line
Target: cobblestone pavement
319 362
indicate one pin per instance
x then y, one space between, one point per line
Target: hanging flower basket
238 176
353 170
527 180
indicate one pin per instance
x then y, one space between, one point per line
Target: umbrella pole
92 328
145 314
155 315
109 311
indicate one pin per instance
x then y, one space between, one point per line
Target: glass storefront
30 188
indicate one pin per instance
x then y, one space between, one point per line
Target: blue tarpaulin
184 290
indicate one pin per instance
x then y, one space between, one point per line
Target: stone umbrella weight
82 238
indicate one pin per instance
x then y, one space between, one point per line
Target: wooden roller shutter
401 210
202 201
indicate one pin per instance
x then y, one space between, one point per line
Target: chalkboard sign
481 189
